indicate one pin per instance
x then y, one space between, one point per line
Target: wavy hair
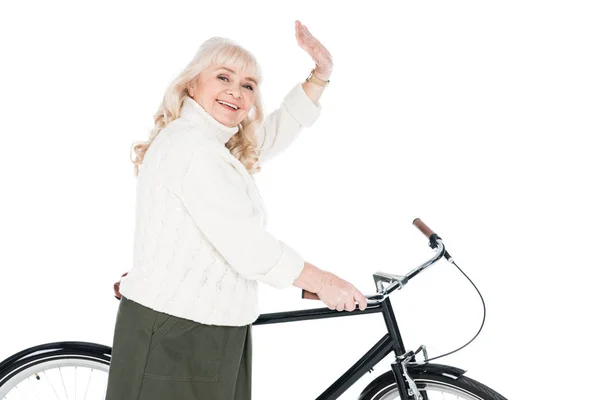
214 51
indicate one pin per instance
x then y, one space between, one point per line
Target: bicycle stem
398 281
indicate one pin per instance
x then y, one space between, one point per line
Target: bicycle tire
431 387
34 373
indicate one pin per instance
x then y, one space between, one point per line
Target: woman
183 328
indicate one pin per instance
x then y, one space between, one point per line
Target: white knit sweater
200 240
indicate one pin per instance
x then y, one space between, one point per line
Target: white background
481 118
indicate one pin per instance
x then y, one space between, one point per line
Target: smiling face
226 92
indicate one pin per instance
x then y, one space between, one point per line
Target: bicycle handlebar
310 295
398 281
423 228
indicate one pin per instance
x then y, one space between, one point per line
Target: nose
235 92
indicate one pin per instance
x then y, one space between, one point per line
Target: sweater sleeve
283 125
214 193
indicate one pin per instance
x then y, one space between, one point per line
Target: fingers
355 297
305 39
301 27
116 288
342 301
298 32
361 299
330 304
304 36
350 305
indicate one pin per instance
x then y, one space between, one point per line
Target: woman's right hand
340 295
335 292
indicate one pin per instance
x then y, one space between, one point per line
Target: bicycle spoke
105 386
33 389
20 392
51 385
88 385
63 383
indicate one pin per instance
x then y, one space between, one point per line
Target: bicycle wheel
67 372
432 387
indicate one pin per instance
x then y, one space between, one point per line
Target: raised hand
318 52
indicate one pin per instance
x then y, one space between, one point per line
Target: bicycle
408 379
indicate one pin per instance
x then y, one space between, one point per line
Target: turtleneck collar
210 127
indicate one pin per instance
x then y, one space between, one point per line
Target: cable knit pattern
200 243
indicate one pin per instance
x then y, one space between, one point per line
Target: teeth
228 104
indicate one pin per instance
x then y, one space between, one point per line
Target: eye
223 78
249 87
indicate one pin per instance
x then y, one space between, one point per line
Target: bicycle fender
51 348
414 370
435 369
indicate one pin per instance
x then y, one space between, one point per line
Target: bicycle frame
392 341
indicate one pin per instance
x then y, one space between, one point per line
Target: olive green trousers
159 356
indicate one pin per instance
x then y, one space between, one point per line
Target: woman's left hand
117 287
318 52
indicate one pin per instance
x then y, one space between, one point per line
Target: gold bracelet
312 78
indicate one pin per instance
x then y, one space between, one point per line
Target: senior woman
183 328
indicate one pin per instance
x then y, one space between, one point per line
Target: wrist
323 75
320 79
311 278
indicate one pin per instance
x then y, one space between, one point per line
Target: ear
191 87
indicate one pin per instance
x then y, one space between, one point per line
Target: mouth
229 106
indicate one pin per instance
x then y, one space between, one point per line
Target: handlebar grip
310 295
423 228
